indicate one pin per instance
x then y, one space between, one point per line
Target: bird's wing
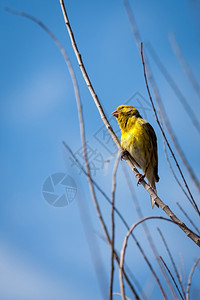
153 140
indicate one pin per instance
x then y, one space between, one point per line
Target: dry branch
175 88
189 219
173 263
184 64
190 278
161 111
145 227
174 174
113 224
172 277
163 133
122 258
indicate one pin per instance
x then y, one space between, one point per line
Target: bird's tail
152 184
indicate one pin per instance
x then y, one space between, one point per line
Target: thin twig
189 219
128 270
113 224
190 278
135 279
58 44
158 97
163 133
96 255
150 267
184 271
170 130
133 23
118 294
184 63
180 273
172 261
122 258
172 277
86 77
176 178
145 227
175 88
166 209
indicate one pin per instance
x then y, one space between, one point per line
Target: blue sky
44 252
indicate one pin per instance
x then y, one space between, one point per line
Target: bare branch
163 133
189 219
118 294
172 261
184 271
175 88
122 258
190 278
113 224
172 277
176 178
184 64
86 77
158 97
145 227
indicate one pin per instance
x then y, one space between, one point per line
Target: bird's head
126 116
125 111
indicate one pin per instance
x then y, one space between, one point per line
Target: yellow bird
139 139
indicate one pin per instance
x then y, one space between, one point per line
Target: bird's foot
140 177
123 153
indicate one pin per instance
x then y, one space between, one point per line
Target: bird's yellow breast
133 133
133 139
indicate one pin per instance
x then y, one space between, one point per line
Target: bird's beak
115 113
